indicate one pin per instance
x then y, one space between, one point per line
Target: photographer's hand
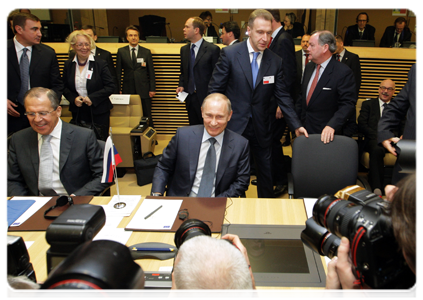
344 269
234 239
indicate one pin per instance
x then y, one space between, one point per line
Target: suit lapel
12 57
65 144
327 73
225 156
264 66
376 109
201 52
194 150
243 58
33 148
36 58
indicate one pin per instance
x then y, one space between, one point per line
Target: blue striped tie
255 68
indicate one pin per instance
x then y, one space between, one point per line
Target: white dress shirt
56 134
81 76
205 144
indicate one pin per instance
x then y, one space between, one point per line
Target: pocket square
327 89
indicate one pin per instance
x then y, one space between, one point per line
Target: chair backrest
319 168
127 115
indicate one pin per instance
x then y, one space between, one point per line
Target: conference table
238 211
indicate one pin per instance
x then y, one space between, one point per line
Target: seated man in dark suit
205 160
52 157
360 31
395 36
368 120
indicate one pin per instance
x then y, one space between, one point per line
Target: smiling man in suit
368 120
42 68
186 171
135 64
198 59
53 157
249 74
328 93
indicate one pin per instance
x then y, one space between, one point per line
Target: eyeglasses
41 114
82 45
61 201
386 88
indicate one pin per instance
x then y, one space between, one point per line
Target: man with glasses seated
370 113
52 157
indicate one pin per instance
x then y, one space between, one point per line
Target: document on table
155 214
39 202
124 204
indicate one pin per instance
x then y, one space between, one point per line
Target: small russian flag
111 159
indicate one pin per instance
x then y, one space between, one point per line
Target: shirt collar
19 46
57 131
90 58
219 138
381 102
198 43
275 33
250 48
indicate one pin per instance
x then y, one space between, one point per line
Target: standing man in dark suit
184 169
198 59
40 63
53 157
328 93
402 106
282 44
136 64
249 74
99 53
395 36
360 31
302 59
368 120
230 33
352 60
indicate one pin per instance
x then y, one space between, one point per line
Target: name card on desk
119 99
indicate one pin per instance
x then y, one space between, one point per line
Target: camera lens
190 228
319 239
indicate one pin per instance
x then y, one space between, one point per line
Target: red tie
338 57
271 38
306 55
313 84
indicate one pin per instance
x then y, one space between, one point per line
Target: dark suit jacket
232 76
136 80
81 162
353 34
404 104
369 118
99 87
387 39
352 60
43 72
211 31
106 56
206 59
178 165
298 78
333 100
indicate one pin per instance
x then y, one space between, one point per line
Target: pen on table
150 214
153 249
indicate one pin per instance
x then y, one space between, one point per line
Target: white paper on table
119 235
182 96
162 219
130 201
112 219
309 204
39 202
28 244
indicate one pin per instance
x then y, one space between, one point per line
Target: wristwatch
156 194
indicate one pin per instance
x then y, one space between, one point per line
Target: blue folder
15 209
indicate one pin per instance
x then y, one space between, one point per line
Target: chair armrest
290 186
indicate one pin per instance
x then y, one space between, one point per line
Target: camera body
362 217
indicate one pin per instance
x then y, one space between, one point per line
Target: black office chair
319 168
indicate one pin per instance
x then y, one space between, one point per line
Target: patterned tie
254 68
45 170
338 57
313 84
270 42
134 57
209 172
191 84
24 69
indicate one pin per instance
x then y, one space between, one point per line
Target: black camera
99 264
190 228
362 217
18 263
